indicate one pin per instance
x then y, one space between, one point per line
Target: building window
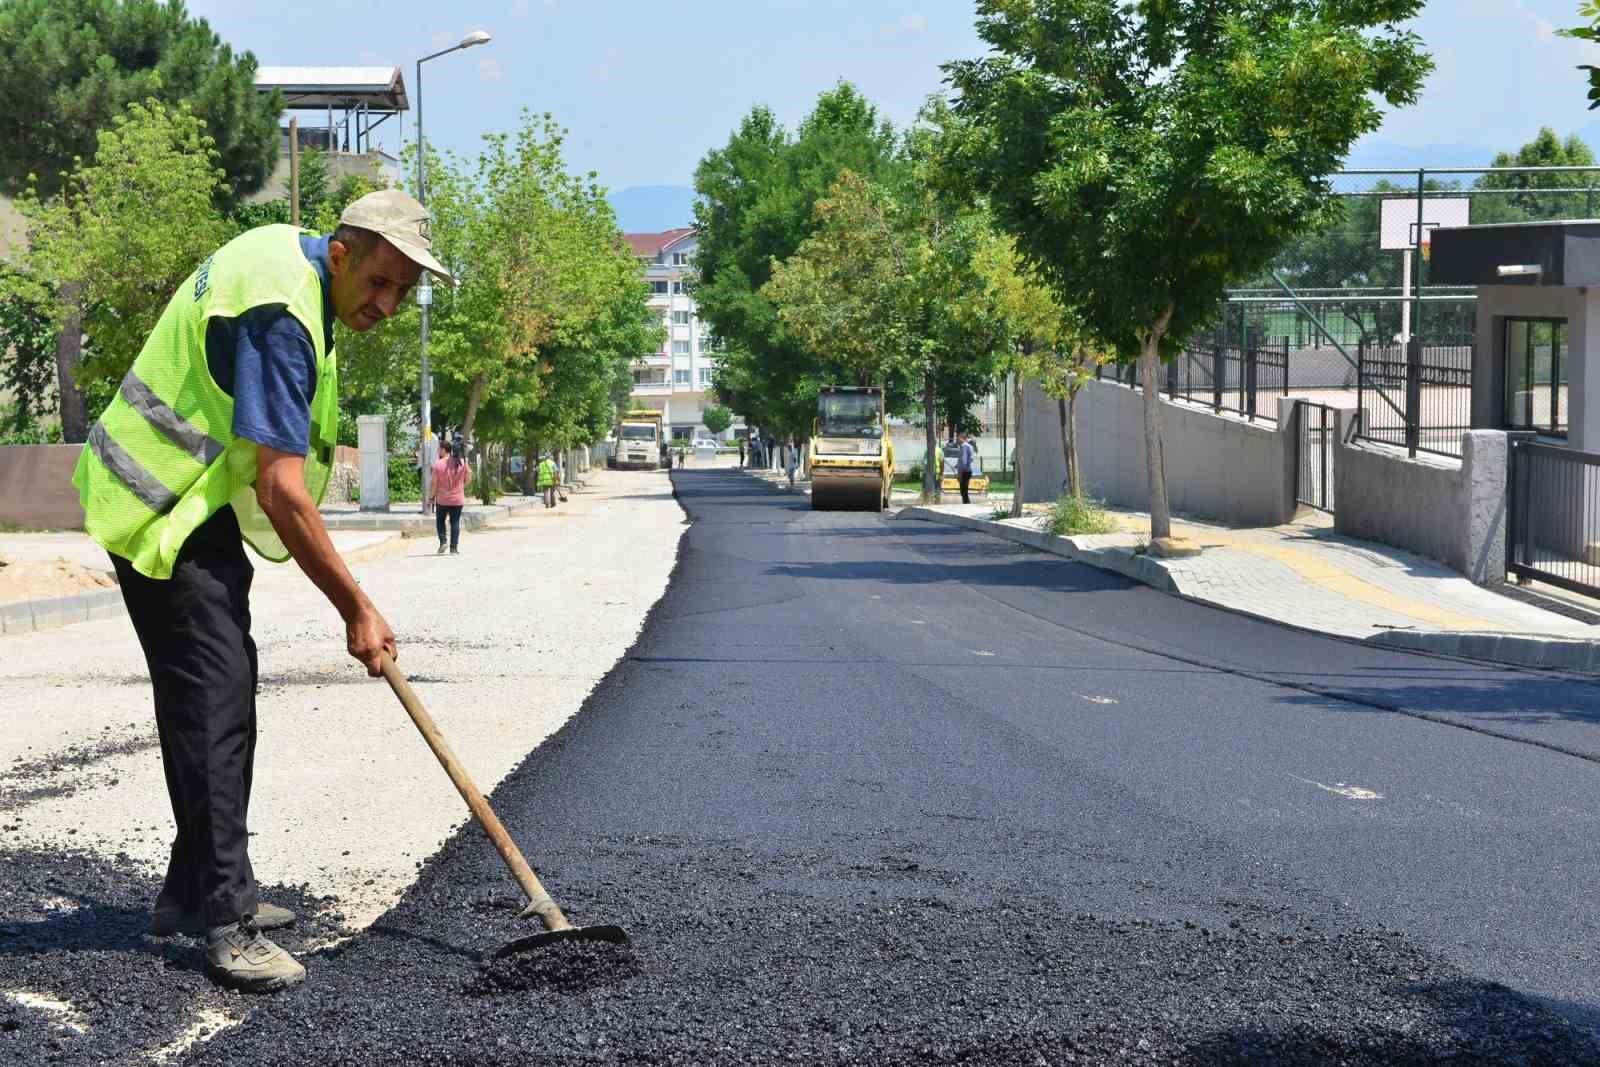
680 348
677 289
709 342
660 288
1536 375
680 259
680 377
705 375
680 318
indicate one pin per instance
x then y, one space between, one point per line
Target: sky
647 88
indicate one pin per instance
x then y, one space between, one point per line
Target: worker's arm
281 492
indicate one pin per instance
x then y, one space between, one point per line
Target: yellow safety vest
162 459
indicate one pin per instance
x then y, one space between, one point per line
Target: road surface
880 791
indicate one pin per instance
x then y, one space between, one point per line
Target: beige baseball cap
403 222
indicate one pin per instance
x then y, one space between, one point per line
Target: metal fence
1221 375
1554 528
1418 397
1363 279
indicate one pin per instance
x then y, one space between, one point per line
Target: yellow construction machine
852 459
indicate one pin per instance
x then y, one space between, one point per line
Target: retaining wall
36 490
1452 511
1218 466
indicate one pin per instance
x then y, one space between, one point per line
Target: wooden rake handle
539 901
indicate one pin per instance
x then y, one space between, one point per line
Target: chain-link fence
1358 290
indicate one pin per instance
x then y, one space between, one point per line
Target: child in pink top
450 475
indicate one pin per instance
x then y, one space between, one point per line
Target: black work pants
195 630
964 477
453 512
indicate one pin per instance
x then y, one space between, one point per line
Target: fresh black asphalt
871 790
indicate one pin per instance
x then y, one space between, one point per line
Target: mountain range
653 208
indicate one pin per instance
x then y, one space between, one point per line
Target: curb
52 613
27 616
1514 650
409 523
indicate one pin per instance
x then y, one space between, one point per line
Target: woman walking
450 476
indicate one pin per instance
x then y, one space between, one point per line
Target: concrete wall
1451 511
1217 466
36 490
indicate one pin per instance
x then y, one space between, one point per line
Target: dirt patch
47 579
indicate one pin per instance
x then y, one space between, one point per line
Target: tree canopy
69 67
1147 155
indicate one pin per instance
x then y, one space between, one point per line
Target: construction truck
852 459
639 441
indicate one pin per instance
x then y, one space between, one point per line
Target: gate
1554 532
1314 483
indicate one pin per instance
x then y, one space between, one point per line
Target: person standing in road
964 467
222 434
547 481
450 476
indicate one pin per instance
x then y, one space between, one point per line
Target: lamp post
425 289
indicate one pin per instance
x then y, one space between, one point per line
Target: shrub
1074 514
405 481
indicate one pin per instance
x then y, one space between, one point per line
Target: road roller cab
852 459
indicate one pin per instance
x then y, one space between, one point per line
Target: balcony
651 389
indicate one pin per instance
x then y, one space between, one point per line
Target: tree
1049 344
1525 197
754 208
717 418
885 292
1589 9
123 232
69 67
1145 155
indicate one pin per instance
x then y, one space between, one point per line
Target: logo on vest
425 229
202 277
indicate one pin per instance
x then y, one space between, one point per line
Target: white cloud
521 7
490 70
913 23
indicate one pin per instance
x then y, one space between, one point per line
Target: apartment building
676 379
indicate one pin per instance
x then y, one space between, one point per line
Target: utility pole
294 172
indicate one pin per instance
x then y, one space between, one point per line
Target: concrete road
870 790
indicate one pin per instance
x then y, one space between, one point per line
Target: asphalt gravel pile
80 980
572 966
737 964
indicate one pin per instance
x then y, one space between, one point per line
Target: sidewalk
1308 576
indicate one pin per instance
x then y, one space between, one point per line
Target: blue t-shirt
265 360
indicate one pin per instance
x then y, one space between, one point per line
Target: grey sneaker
240 956
166 921
441 549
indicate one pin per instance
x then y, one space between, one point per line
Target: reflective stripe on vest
179 430
140 482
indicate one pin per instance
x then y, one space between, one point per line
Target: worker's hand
367 636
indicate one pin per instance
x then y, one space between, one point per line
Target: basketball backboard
1398 219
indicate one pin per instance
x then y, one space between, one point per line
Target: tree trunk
69 350
1005 450
528 452
474 398
1016 466
1069 484
1154 452
933 471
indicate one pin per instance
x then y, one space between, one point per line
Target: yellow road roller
852 459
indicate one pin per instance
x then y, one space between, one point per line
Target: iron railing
1418 398
1221 376
1554 528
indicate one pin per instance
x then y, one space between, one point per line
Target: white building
676 379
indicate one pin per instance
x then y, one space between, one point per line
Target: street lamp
425 289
